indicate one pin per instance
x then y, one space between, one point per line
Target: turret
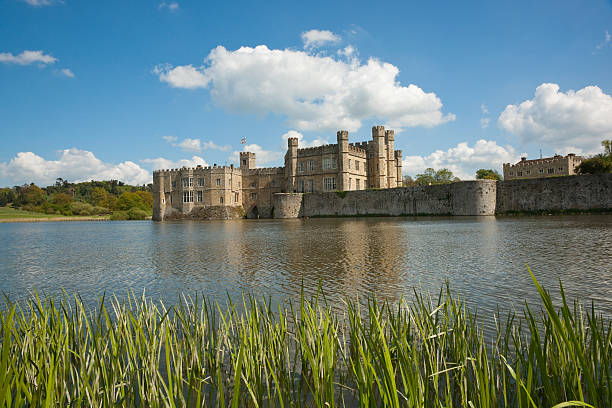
398 167
291 164
343 160
391 172
379 165
247 160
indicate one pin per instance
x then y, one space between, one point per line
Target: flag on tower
243 140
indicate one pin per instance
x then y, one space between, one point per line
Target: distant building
545 167
336 167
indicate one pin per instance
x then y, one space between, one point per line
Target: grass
429 353
9 213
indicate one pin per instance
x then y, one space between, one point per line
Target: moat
483 258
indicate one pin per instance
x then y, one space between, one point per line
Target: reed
422 353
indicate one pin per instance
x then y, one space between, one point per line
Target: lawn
9 213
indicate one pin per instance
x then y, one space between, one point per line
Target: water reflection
483 258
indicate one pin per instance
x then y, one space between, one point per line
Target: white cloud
606 42
314 92
484 122
302 143
66 72
27 57
190 145
170 5
212 145
261 156
574 121
74 165
317 38
41 3
185 76
463 160
160 163
483 109
347 51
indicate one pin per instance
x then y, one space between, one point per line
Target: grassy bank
422 354
9 214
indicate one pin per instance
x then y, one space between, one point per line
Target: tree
408 181
7 195
147 198
484 174
61 199
598 164
99 196
431 176
129 200
30 195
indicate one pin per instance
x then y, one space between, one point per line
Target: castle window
541 170
300 167
349 164
329 163
199 196
356 165
244 162
236 197
309 186
329 183
300 186
358 182
200 182
560 169
238 184
218 182
188 196
173 183
551 171
253 184
185 182
220 200
350 183
170 198
520 173
253 196
310 165
528 172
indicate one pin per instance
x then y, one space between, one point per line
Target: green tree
408 181
30 195
7 195
147 198
129 200
484 174
432 176
99 196
598 164
61 199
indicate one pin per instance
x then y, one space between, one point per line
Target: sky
113 90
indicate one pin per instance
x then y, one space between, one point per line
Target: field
8 214
426 353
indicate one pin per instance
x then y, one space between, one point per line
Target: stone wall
462 198
580 193
288 205
217 212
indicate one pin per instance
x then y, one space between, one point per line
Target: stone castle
231 192
543 167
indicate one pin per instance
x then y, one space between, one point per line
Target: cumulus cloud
170 139
463 160
27 57
302 143
213 146
188 145
185 76
41 3
74 165
317 38
170 5
313 92
160 163
66 72
484 122
262 156
573 121
605 43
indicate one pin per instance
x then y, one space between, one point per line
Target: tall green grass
426 353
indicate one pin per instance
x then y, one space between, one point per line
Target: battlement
342 135
292 141
313 151
546 160
378 131
389 135
398 154
266 170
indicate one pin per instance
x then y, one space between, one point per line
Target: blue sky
114 89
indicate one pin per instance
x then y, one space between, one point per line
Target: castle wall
259 187
288 205
586 192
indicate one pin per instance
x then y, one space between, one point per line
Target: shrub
119 216
101 210
137 214
80 208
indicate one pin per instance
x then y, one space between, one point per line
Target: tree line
112 197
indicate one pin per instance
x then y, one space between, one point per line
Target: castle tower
159 194
247 160
343 160
379 164
391 172
398 166
291 164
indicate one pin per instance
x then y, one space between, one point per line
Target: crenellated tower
391 172
343 160
379 157
291 164
247 160
398 166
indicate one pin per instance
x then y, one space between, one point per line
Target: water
483 258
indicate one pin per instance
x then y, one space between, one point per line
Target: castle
229 191
543 167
